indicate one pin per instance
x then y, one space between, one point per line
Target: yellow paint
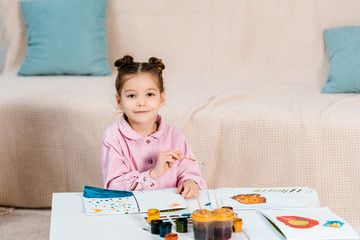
97 210
337 225
298 222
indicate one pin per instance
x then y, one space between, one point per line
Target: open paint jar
153 214
203 222
223 223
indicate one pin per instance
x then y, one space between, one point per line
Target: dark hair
127 67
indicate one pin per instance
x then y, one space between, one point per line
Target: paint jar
223 223
171 236
153 214
181 225
165 227
203 222
237 225
155 226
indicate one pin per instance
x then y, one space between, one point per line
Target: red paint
289 220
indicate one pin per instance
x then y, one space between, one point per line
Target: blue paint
208 204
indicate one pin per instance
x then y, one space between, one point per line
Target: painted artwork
335 224
309 223
99 201
298 222
249 198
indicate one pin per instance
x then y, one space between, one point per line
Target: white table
68 221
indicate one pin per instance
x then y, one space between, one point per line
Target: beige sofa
243 81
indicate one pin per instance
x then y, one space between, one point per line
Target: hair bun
122 61
157 63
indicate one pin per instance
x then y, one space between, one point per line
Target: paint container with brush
223 223
203 222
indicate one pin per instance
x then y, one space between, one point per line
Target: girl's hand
188 189
165 161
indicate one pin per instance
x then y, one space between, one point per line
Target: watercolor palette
172 218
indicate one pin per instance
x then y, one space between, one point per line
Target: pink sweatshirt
127 158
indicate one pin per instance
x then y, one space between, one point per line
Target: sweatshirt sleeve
118 171
189 169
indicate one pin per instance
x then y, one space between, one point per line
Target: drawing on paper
298 222
249 198
335 224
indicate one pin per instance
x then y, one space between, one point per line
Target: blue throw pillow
65 37
343 47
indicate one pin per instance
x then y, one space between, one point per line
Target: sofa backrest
235 43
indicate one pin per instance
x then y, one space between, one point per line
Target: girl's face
141 99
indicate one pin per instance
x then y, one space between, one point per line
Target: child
141 152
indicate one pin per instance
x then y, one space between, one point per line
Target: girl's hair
127 67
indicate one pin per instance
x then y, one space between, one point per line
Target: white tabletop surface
68 221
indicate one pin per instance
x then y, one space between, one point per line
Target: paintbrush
191 159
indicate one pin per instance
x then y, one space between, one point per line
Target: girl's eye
131 96
151 94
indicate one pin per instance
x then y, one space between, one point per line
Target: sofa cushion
343 46
65 37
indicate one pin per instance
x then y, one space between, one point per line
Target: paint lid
171 236
153 211
224 214
202 215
